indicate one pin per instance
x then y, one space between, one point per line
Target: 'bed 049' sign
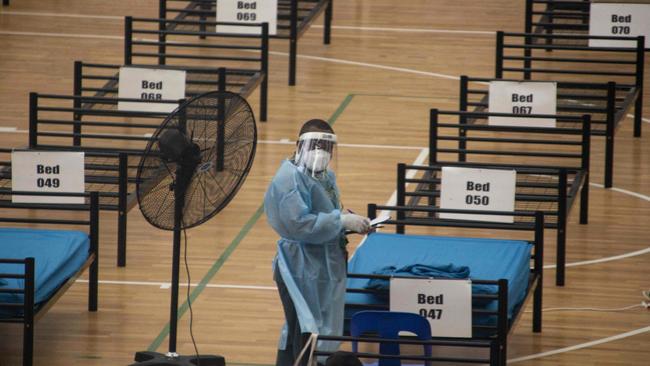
247 11
480 190
150 85
526 97
619 19
47 171
446 304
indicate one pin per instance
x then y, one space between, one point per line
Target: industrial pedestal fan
194 164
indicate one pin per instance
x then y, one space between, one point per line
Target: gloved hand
356 223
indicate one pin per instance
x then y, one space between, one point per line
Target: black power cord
189 300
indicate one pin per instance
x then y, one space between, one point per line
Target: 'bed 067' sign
247 11
446 304
47 171
528 97
150 85
619 19
479 190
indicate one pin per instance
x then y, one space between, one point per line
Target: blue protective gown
311 257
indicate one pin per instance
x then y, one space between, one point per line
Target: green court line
394 96
216 266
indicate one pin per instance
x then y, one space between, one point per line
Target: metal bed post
609 134
5 2
638 107
128 40
494 353
327 28
203 6
528 29
433 137
76 104
498 73
539 270
264 88
528 24
462 119
93 275
372 211
222 79
400 201
585 17
502 322
293 42
549 29
586 145
28 317
561 227
33 123
162 32
123 178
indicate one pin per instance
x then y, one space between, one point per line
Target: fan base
146 358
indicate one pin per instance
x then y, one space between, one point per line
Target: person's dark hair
341 358
316 125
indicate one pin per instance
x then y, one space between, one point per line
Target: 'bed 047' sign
150 85
446 304
47 171
247 11
479 190
619 19
526 97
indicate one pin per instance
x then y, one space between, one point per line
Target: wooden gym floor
389 62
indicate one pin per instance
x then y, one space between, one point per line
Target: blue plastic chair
387 325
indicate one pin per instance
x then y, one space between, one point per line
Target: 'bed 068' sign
150 85
446 304
619 19
47 171
480 190
247 11
529 97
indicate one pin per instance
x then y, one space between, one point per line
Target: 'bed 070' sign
478 190
523 98
151 86
446 304
247 11
47 171
619 20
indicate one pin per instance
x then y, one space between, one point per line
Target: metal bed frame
557 16
493 337
550 181
615 79
30 312
294 19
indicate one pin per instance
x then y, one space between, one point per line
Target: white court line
624 191
582 345
65 35
63 15
603 260
167 285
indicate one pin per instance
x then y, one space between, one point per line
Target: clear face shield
316 153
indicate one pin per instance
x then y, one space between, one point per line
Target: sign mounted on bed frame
619 20
525 97
247 11
148 85
446 304
479 190
47 171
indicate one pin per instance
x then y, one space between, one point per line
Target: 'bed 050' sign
446 304
47 171
247 11
526 97
479 190
619 20
150 85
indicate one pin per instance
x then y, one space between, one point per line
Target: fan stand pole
172 358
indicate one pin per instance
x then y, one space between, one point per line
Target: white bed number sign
247 11
150 85
479 190
47 171
446 304
528 97
619 20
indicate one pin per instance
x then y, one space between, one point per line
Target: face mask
316 160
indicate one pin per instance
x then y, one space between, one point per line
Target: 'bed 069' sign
47 171
480 190
247 11
150 85
619 19
446 304
528 97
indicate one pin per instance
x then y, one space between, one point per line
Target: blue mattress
58 254
487 259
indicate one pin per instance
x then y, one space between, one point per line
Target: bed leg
122 210
327 29
640 65
28 325
293 42
561 254
584 202
93 275
5 2
638 114
264 88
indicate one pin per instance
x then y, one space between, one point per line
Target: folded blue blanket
418 270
